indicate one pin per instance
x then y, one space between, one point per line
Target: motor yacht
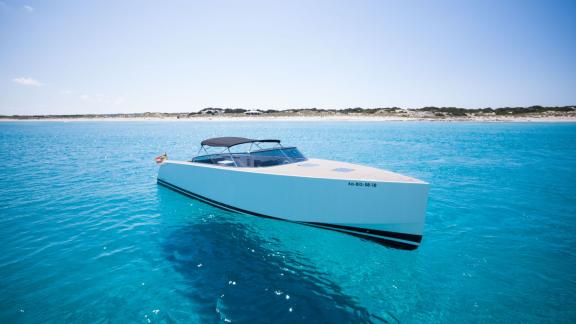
266 179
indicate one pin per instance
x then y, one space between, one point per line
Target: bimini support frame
232 157
228 142
200 150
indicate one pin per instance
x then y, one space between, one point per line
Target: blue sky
66 57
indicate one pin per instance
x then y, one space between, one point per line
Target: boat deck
326 169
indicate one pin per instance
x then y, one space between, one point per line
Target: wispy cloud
66 92
31 82
28 8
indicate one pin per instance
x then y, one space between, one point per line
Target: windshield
255 159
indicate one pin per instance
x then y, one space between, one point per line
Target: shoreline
487 119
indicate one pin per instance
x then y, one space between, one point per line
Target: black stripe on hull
396 235
376 239
363 233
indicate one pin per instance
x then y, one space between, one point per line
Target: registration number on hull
362 184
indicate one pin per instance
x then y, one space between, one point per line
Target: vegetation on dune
425 112
453 111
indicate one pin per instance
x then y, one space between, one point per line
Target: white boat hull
388 212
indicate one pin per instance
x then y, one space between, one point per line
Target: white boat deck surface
327 169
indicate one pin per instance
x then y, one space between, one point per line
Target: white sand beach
333 118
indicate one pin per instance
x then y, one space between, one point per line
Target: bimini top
232 141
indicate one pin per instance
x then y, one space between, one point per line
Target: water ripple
86 235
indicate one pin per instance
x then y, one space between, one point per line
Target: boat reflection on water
231 272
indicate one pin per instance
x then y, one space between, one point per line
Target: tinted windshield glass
273 157
256 159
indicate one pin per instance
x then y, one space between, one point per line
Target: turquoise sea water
86 234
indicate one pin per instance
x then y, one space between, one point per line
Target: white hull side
395 207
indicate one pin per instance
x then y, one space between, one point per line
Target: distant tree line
436 111
453 111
